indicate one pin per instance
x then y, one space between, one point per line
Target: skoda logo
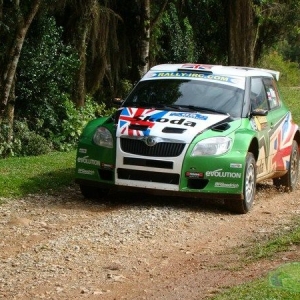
150 141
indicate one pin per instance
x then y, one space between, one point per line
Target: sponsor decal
196 116
219 173
253 124
82 150
194 174
197 66
227 185
88 161
86 172
236 166
197 75
259 123
107 166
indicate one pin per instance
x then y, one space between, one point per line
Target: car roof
216 69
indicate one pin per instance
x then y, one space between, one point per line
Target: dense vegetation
61 62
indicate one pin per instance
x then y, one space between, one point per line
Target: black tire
90 192
289 180
249 188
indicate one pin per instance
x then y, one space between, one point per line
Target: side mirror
259 112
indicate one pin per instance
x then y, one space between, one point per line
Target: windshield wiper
206 109
154 105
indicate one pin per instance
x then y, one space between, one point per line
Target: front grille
148 176
147 163
163 149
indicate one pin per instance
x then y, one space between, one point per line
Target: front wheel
249 188
289 180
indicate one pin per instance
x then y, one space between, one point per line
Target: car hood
138 123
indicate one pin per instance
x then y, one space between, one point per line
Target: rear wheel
91 192
289 180
249 188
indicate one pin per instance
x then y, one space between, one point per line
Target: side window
272 92
258 95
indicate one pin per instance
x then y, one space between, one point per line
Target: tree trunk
10 112
241 32
8 75
145 37
80 88
85 23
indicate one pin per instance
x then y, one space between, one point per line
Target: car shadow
126 200
121 200
70 194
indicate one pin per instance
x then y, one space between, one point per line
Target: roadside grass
20 176
267 249
277 242
257 290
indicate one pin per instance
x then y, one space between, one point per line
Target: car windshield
177 94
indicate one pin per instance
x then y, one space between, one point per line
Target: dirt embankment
133 246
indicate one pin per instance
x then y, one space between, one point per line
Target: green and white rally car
193 130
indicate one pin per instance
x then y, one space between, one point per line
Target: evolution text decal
219 173
88 161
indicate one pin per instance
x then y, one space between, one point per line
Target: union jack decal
283 145
132 118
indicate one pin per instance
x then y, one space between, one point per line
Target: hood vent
173 130
221 127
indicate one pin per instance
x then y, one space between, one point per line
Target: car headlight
212 146
103 137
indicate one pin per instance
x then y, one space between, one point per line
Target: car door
281 129
262 123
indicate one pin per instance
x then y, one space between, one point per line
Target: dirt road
134 246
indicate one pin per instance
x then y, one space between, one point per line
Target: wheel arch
297 138
253 148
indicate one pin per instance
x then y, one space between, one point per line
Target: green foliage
290 47
177 39
291 96
20 176
75 121
29 142
191 32
8 144
289 71
21 141
125 87
45 74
